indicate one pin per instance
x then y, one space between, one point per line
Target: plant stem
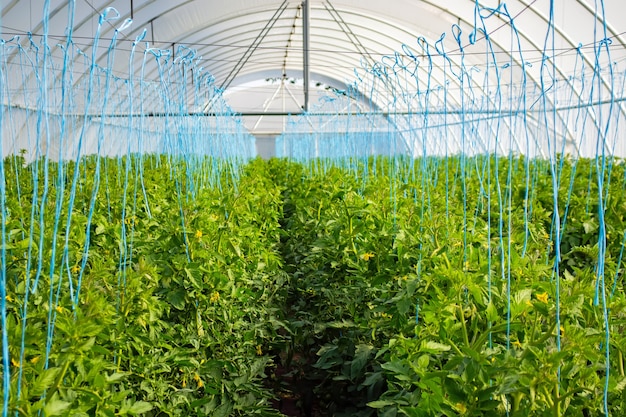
517 398
557 401
462 318
350 228
532 332
59 379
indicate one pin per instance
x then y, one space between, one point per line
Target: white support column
306 26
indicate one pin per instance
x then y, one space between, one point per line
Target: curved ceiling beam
325 28
334 47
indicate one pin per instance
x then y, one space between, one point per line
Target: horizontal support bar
311 114
497 112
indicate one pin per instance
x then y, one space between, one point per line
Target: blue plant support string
6 373
98 162
500 200
603 46
551 121
29 258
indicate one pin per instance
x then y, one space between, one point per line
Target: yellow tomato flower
8 298
184 384
367 256
199 234
517 343
75 269
196 378
35 359
15 363
543 297
258 350
214 297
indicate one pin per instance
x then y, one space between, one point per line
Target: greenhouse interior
313 208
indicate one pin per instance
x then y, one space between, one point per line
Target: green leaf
389 412
98 381
55 407
360 359
434 347
87 345
380 403
619 387
140 407
115 377
235 247
343 324
589 227
413 411
492 312
399 369
423 362
177 298
202 401
223 410
44 381
372 379
522 296
404 305
195 277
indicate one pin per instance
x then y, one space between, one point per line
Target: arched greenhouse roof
455 61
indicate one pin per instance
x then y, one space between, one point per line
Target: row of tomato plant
180 287
429 287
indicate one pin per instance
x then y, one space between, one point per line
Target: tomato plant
387 287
